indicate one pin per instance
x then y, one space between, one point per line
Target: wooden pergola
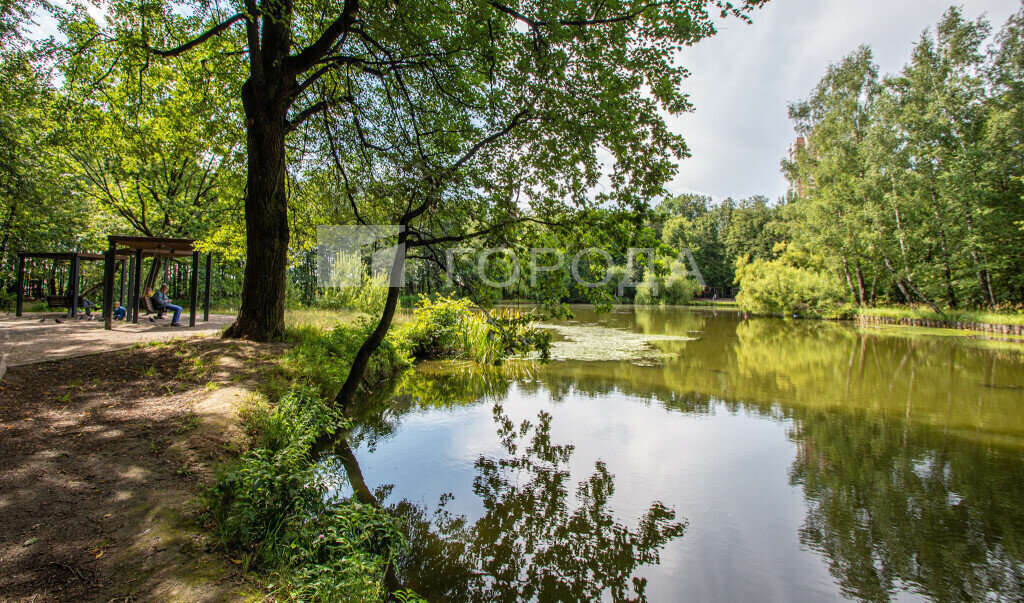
74 281
136 248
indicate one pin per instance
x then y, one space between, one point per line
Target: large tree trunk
983 278
947 270
265 98
861 292
849 280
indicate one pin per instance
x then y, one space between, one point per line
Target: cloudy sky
742 79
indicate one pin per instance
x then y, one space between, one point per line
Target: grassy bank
271 509
1009 317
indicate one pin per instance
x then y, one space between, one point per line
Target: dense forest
906 188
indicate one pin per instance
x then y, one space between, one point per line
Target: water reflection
935 380
811 460
542 536
894 507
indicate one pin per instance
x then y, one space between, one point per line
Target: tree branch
214 31
317 108
309 56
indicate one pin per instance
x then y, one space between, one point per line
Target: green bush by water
272 509
447 327
779 288
322 358
673 289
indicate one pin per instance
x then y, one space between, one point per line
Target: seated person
119 312
88 305
163 303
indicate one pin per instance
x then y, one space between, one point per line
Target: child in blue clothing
119 312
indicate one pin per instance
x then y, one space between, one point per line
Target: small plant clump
447 327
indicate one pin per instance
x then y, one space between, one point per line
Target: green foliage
447 327
367 298
674 288
323 358
272 509
780 288
913 180
717 234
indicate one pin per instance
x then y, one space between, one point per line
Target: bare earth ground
25 340
102 461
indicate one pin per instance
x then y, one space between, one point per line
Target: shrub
273 510
451 328
674 289
323 358
780 288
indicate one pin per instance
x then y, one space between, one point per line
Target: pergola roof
60 255
153 246
150 247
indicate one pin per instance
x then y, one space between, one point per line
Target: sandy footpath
26 340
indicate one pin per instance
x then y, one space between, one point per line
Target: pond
759 459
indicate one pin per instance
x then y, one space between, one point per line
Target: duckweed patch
593 342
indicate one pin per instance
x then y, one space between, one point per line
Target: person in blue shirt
119 312
162 303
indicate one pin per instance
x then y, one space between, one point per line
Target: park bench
58 301
147 303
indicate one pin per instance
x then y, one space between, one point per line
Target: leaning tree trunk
356 374
265 98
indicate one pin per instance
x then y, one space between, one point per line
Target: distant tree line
907 190
911 183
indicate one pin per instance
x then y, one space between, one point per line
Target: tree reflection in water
898 507
541 537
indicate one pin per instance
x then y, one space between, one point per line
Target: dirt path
102 461
37 337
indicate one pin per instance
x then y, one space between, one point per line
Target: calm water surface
765 460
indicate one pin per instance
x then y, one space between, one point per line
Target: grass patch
1005 317
712 304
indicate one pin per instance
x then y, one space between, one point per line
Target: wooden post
109 268
131 286
206 292
73 281
192 286
135 289
21 285
123 275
